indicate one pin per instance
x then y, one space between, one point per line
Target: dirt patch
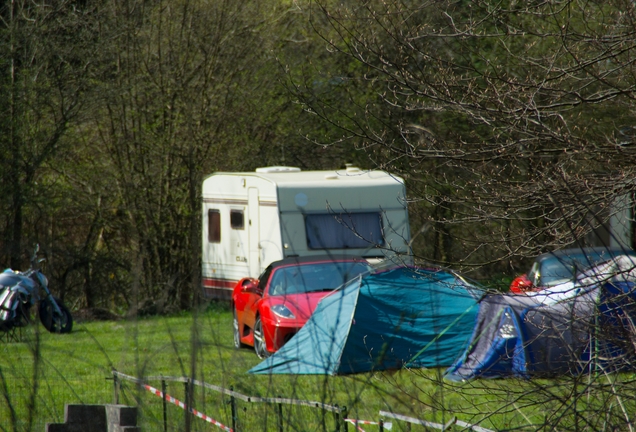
95 314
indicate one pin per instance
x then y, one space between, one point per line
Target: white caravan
251 219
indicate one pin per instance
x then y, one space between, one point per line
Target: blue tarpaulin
388 320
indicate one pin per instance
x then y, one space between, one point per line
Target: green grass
76 368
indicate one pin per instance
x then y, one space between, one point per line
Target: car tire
237 334
260 346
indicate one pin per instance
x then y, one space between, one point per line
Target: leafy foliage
507 119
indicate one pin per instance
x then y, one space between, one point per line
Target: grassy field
43 372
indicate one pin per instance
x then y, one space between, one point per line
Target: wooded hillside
512 122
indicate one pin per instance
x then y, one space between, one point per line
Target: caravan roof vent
277 169
352 169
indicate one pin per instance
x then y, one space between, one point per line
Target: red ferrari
270 310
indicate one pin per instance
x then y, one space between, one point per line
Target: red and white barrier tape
357 423
168 398
181 405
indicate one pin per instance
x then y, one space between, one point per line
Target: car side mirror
251 287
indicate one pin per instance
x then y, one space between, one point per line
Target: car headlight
282 311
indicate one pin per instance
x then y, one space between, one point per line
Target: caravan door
254 232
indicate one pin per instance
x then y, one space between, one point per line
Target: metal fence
30 399
179 401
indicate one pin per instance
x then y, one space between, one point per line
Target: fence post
165 408
344 416
233 409
187 405
116 389
381 423
280 415
336 415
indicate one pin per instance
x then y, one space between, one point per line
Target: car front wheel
237 333
259 339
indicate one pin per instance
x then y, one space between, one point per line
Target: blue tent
388 320
577 327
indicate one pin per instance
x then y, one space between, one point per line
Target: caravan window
344 231
214 226
237 221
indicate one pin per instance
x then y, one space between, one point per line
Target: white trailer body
251 219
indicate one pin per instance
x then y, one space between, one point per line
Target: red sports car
270 310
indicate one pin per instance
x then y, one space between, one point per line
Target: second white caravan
251 219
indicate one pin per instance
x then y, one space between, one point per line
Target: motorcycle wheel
51 321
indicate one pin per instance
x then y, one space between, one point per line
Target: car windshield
555 271
559 269
314 277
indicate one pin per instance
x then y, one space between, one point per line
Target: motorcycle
20 291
